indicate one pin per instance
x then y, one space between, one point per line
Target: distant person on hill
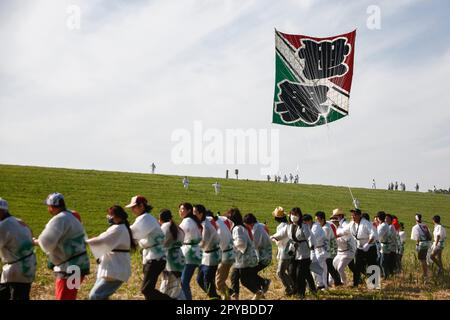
396 185
440 235
285 179
185 183
211 254
417 187
374 186
148 234
263 246
63 240
217 187
291 177
17 256
153 168
192 228
173 240
421 234
246 261
268 178
284 259
112 249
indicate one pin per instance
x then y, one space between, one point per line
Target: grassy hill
92 192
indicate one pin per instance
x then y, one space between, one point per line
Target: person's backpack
426 233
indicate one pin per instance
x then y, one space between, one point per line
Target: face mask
294 219
110 220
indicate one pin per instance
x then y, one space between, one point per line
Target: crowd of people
313 251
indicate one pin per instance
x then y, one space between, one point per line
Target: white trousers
340 262
320 255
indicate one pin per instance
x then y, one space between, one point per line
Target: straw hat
278 212
338 212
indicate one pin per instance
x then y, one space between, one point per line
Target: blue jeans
206 280
103 289
186 277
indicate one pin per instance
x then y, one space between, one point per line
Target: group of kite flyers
312 252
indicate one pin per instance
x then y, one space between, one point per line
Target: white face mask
294 219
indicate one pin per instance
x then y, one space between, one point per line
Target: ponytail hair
118 211
165 215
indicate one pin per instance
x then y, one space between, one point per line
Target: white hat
338 212
3 204
136 200
54 199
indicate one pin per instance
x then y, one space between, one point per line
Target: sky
111 94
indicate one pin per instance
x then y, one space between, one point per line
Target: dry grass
407 285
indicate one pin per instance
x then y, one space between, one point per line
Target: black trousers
388 264
293 274
362 261
249 279
152 270
15 291
333 272
303 275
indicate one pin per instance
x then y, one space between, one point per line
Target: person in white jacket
284 259
263 246
192 229
63 241
246 258
439 237
365 235
346 248
17 256
331 247
320 253
302 242
112 251
148 234
422 236
211 254
173 240
227 253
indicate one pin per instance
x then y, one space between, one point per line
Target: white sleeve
373 232
49 238
281 234
414 234
105 242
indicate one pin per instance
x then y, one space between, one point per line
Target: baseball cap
278 212
54 199
136 200
357 211
3 204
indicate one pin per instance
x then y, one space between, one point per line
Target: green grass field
92 192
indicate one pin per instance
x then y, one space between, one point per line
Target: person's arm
373 234
280 234
105 242
49 238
